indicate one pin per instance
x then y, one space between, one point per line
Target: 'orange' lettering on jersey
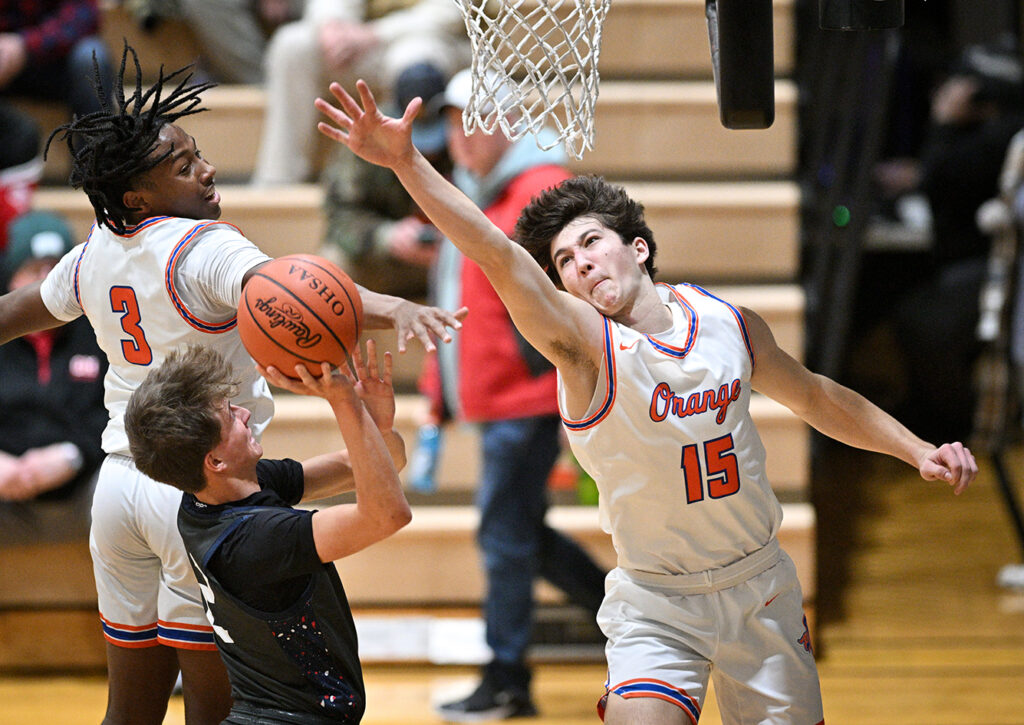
665 402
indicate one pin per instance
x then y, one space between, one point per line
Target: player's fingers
348 103
332 133
371 355
422 333
303 374
460 315
366 96
388 363
332 112
358 362
412 110
273 375
968 469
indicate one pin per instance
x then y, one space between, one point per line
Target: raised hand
426 324
334 385
366 131
373 387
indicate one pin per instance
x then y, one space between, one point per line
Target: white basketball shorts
742 625
147 591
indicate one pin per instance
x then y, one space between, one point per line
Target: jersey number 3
723 473
136 350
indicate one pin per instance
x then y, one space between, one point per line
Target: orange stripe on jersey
691 335
609 394
736 313
214 328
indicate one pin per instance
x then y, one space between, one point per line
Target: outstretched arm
846 416
409 319
552 321
22 311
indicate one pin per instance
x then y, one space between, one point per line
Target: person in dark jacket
51 404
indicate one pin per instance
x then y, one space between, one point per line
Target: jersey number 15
720 472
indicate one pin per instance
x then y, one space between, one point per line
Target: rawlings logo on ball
286 316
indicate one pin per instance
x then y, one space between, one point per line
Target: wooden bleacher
723 207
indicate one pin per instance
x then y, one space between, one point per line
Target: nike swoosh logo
772 599
629 346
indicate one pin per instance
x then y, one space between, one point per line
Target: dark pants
517 545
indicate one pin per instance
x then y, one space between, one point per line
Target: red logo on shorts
805 638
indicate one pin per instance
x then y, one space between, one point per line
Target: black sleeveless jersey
301 656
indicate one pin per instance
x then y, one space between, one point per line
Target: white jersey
670 442
166 283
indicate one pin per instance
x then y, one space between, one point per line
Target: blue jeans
517 545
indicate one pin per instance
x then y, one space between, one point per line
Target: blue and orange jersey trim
186 636
129 635
691 336
141 226
610 387
78 268
214 328
662 691
736 313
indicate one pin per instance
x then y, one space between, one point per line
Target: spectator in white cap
51 403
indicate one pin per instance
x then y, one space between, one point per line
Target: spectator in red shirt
47 49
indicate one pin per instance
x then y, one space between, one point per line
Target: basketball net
535 65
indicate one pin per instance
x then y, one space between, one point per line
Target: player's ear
213 464
643 251
136 201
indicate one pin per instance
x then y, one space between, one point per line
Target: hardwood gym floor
911 626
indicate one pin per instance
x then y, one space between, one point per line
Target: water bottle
423 465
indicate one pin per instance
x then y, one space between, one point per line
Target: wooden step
53 625
650 129
303 427
742 231
706 232
664 129
434 560
669 39
640 38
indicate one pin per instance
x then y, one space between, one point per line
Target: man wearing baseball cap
51 403
374 230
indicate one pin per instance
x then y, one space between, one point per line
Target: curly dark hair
549 212
112 147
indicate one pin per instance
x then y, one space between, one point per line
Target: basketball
300 308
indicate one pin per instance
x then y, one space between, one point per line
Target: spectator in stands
47 49
232 34
348 40
51 404
494 378
21 164
374 229
974 114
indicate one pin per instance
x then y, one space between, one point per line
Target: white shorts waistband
712 580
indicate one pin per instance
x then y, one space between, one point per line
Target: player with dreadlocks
158 272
